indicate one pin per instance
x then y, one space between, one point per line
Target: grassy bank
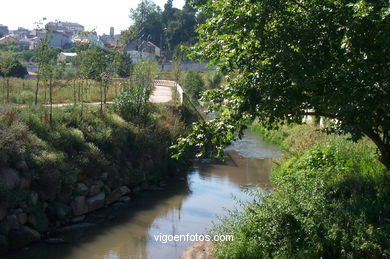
331 200
71 149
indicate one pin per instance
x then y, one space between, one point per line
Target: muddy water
188 205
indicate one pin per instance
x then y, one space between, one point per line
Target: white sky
99 14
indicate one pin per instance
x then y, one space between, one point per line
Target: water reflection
184 207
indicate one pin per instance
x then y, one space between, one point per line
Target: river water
188 205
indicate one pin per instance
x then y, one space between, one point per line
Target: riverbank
330 200
53 174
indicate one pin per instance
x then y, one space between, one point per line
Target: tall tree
287 57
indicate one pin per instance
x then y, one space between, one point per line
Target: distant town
65 35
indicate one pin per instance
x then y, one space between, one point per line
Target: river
188 205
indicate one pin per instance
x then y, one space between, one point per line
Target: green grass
330 201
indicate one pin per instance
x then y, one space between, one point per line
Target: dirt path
161 94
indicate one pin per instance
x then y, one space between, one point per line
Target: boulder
22 217
19 238
94 189
13 221
10 178
125 199
117 194
82 189
124 190
3 213
21 165
78 219
79 205
96 202
3 244
34 198
104 176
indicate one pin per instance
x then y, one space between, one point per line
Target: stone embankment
43 211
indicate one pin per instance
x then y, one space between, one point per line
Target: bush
330 201
193 83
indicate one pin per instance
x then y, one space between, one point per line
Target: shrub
330 201
193 83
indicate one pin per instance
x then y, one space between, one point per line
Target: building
66 27
57 39
20 33
3 30
8 39
66 56
141 49
112 32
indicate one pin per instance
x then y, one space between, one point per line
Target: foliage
122 64
11 67
330 201
193 83
284 58
167 28
133 103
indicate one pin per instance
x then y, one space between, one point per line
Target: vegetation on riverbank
330 201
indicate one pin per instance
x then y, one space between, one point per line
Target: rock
13 221
82 189
38 220
78 226
117 194
78 219
55 241
79 205
96 202
125 199
124 190
58 210
104 176
25 183
32 220
3 213
94 189
22 217
21 166
3 244
119 205
154 188
4 228
10 178
19 238
34 198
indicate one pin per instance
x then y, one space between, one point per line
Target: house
12 40
66 55
71 27
20 33
57 39
141 49
91 37
4 30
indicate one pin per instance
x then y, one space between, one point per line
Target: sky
93 14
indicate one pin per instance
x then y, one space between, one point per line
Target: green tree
10 67
285 58
133 103
122 64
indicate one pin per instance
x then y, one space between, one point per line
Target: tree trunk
51 99
37 88
8 89
384 148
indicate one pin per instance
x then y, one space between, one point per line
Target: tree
147 21
133 103
10 67
285 58
122 64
